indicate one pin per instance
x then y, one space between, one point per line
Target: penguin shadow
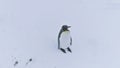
29 61
17 62
65 50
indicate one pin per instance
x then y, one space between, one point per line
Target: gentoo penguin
64 39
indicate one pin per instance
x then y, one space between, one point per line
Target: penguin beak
69 26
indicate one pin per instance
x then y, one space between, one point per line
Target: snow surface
29 30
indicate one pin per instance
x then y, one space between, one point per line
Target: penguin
64 39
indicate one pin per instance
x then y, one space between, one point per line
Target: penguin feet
63 50
69 49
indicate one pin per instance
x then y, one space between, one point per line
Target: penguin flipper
63 50
69 49
59 38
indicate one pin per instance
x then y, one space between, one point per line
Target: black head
65 27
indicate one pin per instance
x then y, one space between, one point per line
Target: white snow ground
29 29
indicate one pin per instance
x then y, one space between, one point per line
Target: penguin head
65 27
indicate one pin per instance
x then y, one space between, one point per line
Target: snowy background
29 30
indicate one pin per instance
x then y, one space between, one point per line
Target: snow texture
29 30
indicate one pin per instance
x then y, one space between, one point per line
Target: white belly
65 39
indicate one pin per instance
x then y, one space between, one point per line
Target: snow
29 29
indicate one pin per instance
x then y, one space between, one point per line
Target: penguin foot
63 50
69 49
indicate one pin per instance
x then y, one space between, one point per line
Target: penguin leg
63 50
69 49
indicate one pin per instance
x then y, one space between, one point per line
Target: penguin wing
70 40
59 39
